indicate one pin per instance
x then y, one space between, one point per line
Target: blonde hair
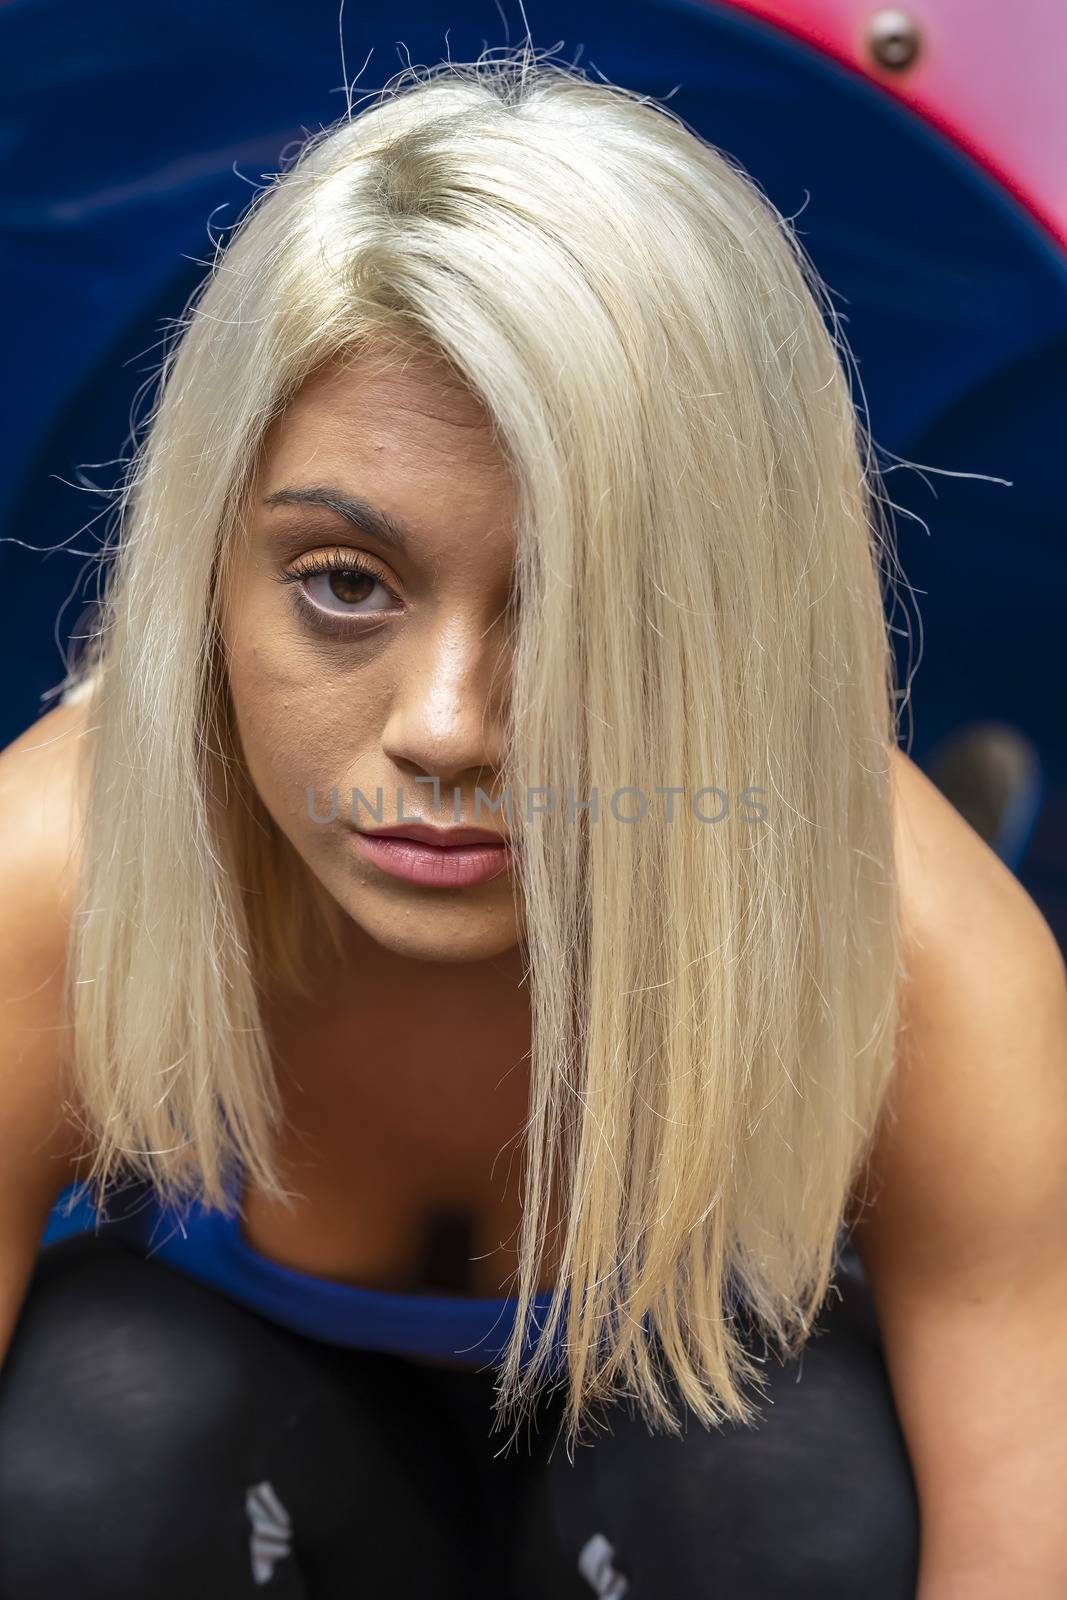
701 543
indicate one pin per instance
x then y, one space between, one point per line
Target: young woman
505 477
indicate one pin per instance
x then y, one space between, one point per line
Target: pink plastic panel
989 74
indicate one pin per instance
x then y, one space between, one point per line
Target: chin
455 952
421 931
455 946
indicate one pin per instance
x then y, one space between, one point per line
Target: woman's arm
39 1143
965 1240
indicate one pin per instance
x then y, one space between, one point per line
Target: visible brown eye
350 585
335 587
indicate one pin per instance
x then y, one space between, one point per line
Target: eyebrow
361 514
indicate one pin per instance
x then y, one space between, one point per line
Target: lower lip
435 866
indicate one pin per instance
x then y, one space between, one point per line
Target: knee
107 1339
122 1382
816 1496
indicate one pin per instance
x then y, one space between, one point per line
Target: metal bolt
894 39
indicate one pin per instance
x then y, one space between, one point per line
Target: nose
447 716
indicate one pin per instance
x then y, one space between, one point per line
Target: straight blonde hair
701 547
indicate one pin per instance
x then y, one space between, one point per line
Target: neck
447 1041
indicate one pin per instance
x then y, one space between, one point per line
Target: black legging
158 1439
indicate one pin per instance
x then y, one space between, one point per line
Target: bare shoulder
40 817
967 1172
40 826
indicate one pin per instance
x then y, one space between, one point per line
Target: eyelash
334 624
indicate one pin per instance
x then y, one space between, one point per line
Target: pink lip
436 866
436 836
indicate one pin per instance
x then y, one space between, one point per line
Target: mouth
440 838
436 858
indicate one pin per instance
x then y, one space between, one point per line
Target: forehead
401 433
407 411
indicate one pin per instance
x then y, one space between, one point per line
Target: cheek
298 731
306 718
279 732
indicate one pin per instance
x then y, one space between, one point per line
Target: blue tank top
207 1245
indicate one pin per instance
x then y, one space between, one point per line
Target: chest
405 1164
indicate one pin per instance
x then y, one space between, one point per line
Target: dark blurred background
918 159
